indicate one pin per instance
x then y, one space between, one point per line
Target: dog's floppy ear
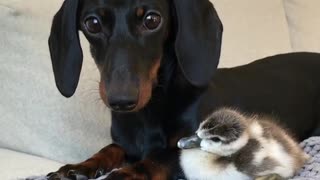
65 48
198 39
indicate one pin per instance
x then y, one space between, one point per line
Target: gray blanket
311 169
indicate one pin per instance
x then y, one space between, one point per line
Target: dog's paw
223 132
75 172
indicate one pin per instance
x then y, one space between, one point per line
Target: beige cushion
304 22
15 165
39 9
252 29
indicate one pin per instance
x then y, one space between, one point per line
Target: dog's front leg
162 165
107 159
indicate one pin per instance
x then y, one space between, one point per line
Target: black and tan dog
158 60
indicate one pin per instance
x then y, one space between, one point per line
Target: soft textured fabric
311 170
304 23
15 165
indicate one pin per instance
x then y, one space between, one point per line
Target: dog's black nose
122 104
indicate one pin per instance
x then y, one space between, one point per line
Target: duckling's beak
189 142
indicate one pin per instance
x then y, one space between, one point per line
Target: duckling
230 145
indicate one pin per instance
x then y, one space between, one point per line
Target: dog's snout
121 86
123 103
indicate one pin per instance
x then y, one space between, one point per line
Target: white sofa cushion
15 165
304 23
252 30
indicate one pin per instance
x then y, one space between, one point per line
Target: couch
40 130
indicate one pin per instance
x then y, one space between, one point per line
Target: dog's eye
152 20
93 25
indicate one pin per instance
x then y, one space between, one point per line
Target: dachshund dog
158 65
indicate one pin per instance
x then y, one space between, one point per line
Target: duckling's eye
216 139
